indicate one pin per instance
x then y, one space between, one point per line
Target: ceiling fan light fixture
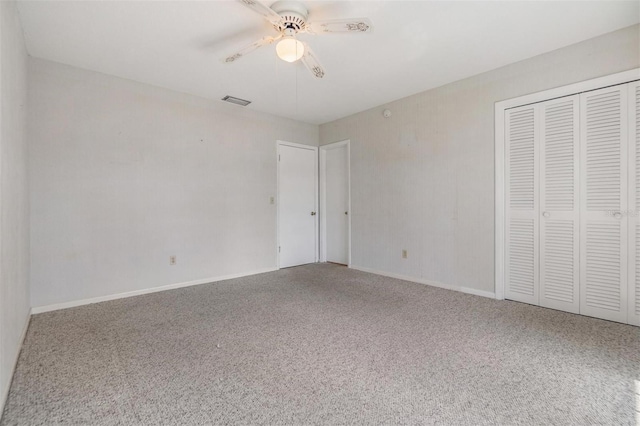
289 49
289 18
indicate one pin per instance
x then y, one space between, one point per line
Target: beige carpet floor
322 344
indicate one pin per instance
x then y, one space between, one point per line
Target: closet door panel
633 313
603 199
522 180
559 206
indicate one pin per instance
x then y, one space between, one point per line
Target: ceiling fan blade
311 62
250 48
264 11
354 25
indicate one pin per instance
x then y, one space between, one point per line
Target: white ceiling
415 46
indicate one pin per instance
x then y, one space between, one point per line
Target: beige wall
423 180
124 175
14 194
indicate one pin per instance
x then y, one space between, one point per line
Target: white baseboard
5 392
467 290
74 303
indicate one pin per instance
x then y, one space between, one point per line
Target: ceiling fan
289 18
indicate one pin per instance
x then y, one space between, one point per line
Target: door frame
323 198
279 144
500 177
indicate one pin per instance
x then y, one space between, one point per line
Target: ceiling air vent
236 101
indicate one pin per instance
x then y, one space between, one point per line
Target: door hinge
278 157
278 249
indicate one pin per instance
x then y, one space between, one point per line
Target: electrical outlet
404 254
172 260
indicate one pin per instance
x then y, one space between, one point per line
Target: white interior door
297 204
634 204
336 202
559 206
603 198
522 210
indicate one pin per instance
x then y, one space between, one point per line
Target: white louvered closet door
559 206
603 199
522 220
634 204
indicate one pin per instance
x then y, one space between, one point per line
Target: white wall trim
500 195
500 212
572 89
461 289
74 303
5 392
323 198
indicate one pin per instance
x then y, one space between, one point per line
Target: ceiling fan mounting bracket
294 15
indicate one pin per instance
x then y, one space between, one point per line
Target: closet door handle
546 214
617 215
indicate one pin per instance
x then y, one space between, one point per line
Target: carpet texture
322 344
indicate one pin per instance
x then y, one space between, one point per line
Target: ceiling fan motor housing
294 15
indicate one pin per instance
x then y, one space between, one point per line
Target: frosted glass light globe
289 49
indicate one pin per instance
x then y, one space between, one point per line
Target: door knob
346 212
617 215
313 213
546 214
